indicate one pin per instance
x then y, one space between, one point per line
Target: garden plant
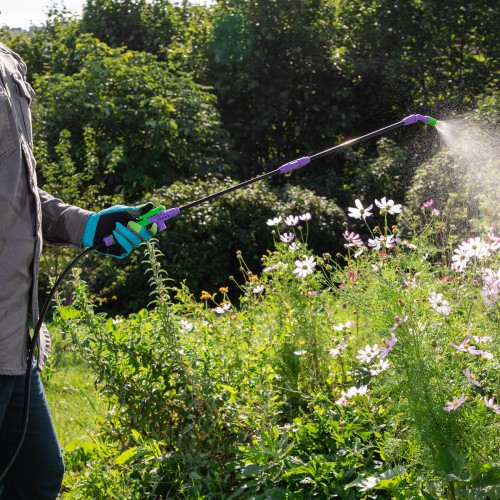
374 375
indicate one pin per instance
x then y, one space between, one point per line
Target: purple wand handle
158 219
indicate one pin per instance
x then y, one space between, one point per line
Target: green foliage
325 381
136 24
165 125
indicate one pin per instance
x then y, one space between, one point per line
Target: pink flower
353 239
387 346
471 377
453 405
490 403
428 203
466 347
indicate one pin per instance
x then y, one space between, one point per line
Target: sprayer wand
160 215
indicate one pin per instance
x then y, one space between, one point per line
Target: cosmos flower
287 237
273 222
461 257
456 403
353 239
186 325
304 267
471 377
292 220
380 367
222 309
343 326
340 347
368 354
359 212
466 347
476 247
387 346
490 403
439 304
305 217
388 206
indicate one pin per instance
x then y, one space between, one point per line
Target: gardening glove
120 222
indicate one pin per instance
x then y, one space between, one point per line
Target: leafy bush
374 379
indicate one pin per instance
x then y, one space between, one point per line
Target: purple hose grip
409 120
109 240
164 216
294 165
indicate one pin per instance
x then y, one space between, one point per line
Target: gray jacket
28 216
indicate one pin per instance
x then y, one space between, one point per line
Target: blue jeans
37 472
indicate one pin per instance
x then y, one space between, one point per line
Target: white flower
258 289
273 222
476 247
304 267
300 353
490 297
336 350
186 325
222 309
291 220
380 242
460 258
341 401
359 212
306 216
355 391
439 304
388 206
368 354
287 237
343 326
380 367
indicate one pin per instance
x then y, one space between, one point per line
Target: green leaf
127 456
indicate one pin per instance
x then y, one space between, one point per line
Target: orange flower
223 289
205 296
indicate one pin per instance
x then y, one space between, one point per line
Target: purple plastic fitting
409 120
109 240
294 165
158 219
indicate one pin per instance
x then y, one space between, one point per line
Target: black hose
31 352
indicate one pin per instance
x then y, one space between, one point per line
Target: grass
77 409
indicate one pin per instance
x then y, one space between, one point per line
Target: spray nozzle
428 120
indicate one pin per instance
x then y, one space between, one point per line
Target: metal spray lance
160 215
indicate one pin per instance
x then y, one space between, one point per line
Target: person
30 217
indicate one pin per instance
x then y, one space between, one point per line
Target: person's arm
62 224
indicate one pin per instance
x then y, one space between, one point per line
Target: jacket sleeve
62 224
